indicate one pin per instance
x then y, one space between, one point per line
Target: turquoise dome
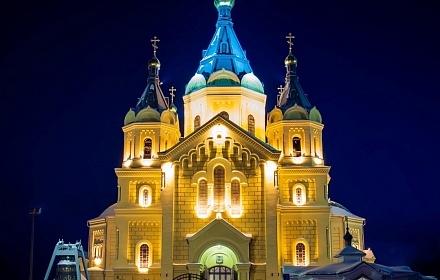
229 3
251 81
223 78
197 82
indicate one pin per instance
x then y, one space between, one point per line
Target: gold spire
155 41
172 90
290 37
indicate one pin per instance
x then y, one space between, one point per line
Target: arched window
97 250
224 47
144 255
145 196
299 195
196 122
147 148
224 114
203 196
296 145
355 237
251 124
235 193
300 254
219 188
166 145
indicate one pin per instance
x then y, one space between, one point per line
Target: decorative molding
143 223
298 222
304 171
120 172
188 142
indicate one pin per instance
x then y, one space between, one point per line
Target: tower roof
292 92
152 96
225 50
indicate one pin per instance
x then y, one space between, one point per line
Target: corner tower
153 125
295 127
224 82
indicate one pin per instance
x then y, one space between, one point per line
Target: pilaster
243 271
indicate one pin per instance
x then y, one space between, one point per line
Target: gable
219 232
222 135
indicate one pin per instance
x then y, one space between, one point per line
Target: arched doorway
219 262
219 244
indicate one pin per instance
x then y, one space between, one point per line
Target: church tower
240 196
295 128
224 82
153 125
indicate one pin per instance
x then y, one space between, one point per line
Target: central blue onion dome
224 53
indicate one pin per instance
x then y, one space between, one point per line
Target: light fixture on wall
162 186
275 178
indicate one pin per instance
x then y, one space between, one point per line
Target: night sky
70 71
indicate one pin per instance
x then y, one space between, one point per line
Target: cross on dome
155 47
290 37
172 90
280 89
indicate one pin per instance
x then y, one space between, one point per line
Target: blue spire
292 93
225 50
152 95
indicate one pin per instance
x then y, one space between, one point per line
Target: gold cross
280 89
172 90
155 41
290 37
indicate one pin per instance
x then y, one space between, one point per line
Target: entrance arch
218 255
219 262
219 244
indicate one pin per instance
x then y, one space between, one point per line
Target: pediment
219 232
219 229
229 131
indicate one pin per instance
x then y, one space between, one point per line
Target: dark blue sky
70 70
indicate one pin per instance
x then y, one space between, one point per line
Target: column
243 270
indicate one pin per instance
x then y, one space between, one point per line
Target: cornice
97 222
139 211
226 91
289 123
303 170
323 210
131 172
148 125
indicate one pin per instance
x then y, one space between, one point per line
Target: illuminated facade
242 194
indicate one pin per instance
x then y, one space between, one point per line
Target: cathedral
241 194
